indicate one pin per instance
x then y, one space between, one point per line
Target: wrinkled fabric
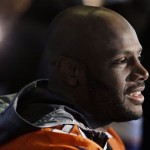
5 101
47 139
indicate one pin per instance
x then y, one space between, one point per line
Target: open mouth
136 97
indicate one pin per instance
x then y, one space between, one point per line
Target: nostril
143 73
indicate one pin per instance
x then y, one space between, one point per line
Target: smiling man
95 78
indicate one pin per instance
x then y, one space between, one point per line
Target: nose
139 72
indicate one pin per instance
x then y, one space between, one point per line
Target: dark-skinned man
95 78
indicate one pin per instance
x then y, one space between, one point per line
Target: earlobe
68 70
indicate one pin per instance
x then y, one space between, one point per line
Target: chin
132 116
129 115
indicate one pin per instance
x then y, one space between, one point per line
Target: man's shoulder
52 138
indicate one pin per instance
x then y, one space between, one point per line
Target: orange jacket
55 139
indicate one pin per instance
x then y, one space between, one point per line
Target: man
95 78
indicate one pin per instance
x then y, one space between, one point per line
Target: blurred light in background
93 2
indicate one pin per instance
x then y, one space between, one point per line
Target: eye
121 61
140 58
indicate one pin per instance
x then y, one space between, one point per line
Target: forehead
115 42
125 42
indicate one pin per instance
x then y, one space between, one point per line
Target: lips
135 95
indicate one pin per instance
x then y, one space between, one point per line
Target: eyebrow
117 52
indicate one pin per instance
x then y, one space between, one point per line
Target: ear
68 70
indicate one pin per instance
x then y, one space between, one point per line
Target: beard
107 103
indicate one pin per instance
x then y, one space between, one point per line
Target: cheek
116 80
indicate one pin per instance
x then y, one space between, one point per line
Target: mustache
136 85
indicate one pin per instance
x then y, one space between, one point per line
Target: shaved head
75 31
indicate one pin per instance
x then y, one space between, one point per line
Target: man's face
116 78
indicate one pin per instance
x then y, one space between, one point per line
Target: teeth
135 93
